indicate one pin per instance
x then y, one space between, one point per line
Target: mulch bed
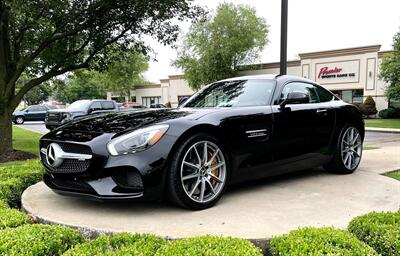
16 155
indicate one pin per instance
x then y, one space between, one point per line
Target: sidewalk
376 129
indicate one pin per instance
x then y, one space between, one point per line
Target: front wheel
19 120
198 173
348 152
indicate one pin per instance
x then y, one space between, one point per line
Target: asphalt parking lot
35 126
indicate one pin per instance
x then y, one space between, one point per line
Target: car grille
53 117
68 166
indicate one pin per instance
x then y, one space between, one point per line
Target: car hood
63 110
117 122
18 112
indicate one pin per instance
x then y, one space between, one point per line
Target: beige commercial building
351 73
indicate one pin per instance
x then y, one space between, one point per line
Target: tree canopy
82 84
125 73
215 48
390 70
44 39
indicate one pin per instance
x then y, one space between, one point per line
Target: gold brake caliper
215 171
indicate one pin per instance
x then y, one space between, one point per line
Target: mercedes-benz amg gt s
228 132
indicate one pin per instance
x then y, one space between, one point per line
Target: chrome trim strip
67 155
253 131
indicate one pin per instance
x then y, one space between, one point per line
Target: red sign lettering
326 71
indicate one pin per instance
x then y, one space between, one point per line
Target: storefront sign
337 72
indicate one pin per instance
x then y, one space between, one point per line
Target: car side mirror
90 110
295 98
182 100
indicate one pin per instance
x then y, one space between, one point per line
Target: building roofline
340 52
382 53
144 86
290 63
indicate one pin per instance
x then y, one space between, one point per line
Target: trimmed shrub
369 107
210 246
15 178
121 244
388 113
381 231
3 204
12 218
319 241
37 239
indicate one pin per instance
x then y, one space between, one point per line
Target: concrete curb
384 130
93 233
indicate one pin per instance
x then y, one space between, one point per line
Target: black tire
19 120
177 194
337 165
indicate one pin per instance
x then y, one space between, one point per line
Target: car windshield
79 105
237 93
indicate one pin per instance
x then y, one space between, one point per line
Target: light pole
284 20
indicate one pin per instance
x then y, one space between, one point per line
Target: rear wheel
348 152
19 120
198 173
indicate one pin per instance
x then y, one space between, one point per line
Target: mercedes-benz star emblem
53 155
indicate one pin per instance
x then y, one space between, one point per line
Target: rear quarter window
107 105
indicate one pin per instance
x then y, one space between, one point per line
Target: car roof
281 78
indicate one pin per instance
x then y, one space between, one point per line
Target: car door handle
322 111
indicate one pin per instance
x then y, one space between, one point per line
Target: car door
301 130
33 113
41 113
248 129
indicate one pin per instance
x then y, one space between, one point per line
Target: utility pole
284 21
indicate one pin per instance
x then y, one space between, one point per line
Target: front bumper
134 176
100 189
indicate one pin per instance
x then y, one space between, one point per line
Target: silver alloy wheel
19 120
203 171
351 148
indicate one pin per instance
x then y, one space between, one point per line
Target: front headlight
138 140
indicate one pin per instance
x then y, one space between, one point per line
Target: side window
42 108
107 105
34 109
305 88
324 95
95 106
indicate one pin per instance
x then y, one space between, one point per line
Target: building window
147 101
351 96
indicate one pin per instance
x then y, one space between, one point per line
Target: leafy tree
390 70
38 94
44 39
82 84
215 48
125 73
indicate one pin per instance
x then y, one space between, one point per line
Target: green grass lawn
394 175
25 140
383 123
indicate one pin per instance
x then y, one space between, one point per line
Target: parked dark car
128 105
57 117
31 113
158 105
231 131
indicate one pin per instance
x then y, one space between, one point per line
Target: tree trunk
5 132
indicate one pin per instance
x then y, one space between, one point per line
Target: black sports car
230 131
